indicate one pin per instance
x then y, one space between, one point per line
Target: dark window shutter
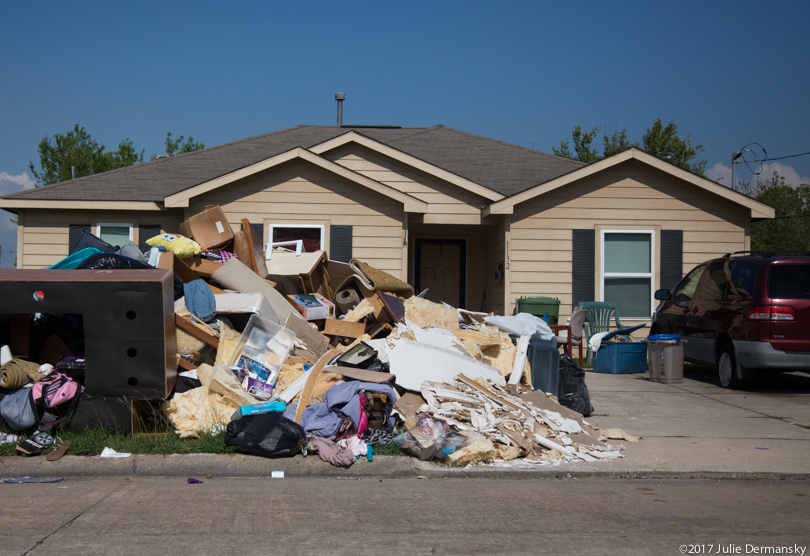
341 243
258 229
582 267
671 258
75 232
144 233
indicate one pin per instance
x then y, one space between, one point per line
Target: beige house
478 222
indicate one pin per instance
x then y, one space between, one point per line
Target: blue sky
729 73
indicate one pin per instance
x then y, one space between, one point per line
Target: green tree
789 230
659 140
663 142
582 146
177 146
616 143
78 149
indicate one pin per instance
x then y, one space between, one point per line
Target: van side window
685 290
743 276
789 281
714 287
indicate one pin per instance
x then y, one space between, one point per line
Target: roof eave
13 205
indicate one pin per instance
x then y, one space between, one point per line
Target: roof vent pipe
340 97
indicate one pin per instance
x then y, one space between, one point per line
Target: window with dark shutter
145 233
341 243
75 232
671 267
582 266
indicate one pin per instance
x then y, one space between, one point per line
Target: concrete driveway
698 427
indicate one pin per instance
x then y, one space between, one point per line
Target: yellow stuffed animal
181 246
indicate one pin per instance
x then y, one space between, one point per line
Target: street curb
383 467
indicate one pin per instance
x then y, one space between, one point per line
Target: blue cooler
621 357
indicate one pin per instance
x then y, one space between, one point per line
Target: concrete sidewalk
691 429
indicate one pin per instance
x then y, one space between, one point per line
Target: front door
441 268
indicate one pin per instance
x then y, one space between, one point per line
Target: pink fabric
331 452
355 445
363 424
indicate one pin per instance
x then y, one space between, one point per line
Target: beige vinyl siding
45 233
625 197
298 192
447 202
495 256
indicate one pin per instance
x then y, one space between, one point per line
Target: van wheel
727 367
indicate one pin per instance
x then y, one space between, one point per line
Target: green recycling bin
547 308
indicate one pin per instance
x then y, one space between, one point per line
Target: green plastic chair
598 320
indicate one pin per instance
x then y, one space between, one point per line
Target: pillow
181 246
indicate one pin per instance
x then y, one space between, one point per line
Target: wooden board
343 329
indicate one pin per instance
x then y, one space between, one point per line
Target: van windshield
789 281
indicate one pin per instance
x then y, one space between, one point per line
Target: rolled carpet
19 372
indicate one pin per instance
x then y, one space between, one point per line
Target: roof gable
407 159
181 199
506 206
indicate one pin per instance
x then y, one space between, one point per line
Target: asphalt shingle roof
500 166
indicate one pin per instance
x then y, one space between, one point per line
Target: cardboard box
209 228
169 261
313 306
203 267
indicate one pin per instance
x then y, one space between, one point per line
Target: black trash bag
573 392
119 262
266 434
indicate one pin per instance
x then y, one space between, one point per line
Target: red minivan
744 312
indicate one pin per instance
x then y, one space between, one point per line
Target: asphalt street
390 515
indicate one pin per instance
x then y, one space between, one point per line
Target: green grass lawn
167 443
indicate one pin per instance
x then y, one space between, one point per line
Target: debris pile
289 351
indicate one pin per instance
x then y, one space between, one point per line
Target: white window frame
116 225
650 274
321 227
